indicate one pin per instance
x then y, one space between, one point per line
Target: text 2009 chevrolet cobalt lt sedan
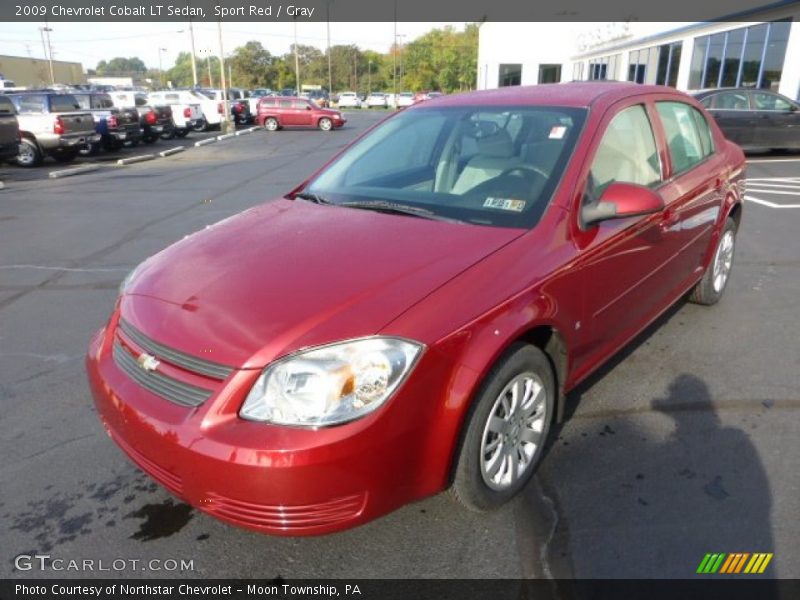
410 318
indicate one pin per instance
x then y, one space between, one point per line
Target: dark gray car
754 118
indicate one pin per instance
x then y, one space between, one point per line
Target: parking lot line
768 203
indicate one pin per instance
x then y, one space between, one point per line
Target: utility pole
369 78
399 48
48 50
394 50
330 69
207 52
225 126
194 62
296 60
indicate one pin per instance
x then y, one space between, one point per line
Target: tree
120 66
252 66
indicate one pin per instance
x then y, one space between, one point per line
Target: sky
89 43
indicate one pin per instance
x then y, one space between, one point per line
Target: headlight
330 385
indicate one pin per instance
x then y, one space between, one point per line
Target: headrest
498 145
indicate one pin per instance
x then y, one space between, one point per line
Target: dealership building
760 48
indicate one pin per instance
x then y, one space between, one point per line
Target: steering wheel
525 170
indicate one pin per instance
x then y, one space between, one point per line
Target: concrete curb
206 141
225 136
135 159
172 151
256 128
74 171
2 185
243 132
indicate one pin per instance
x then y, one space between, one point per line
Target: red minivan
277 112
410 318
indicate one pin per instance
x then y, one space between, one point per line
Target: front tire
271 124
29 154
325 124
507 429
710 288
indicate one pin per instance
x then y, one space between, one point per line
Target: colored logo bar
734 563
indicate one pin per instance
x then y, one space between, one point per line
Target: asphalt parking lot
685 444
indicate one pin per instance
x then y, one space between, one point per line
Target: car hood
290 274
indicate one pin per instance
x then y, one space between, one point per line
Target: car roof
576 94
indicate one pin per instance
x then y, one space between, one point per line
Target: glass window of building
577 71
655 65
777 37
751 58
714 60
744 57
549 73
510 75
603 68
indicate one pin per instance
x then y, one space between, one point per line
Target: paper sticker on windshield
557 132
505 204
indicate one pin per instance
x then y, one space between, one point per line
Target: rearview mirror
621 200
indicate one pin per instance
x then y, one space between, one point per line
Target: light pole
399 48
194 63
225 126
160 68
48 51
369 78
394 51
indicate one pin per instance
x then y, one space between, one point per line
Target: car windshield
494 166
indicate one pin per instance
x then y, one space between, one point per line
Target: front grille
175 357
157 383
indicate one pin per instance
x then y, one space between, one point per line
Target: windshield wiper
311 196
396 208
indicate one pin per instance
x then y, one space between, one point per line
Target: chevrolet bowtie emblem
148 362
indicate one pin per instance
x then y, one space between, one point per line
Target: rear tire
710 288
271 124
182 133
506 430
29 154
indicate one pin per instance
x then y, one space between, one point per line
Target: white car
377 100
348 100
405 99
187 115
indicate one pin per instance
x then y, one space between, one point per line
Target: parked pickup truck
51 124
239 105
115 125
9 130
186 112
154 120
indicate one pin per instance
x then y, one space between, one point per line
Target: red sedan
278 112
410 318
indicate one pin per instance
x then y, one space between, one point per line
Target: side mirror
308 107
621 200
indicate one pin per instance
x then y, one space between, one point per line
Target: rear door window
84 102
63 103
688 137
764 101
103 101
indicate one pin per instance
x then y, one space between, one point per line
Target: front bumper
272 479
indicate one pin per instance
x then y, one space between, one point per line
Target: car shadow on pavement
648 494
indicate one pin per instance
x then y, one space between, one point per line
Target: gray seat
495 155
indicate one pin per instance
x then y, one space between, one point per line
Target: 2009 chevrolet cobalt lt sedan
410 318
